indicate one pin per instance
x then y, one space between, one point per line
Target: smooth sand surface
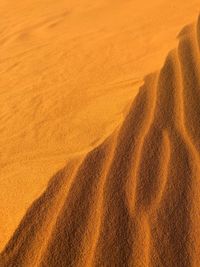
84 99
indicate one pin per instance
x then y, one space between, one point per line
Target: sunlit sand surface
99 133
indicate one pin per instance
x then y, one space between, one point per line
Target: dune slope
69 73
135 199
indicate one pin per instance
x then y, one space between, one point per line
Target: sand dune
134 200
69 73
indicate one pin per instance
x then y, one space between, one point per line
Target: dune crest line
135 199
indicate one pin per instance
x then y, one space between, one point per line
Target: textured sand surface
76 99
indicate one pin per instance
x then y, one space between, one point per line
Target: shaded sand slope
135 199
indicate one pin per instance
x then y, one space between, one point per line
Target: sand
100 133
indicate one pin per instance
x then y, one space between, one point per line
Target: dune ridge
133 200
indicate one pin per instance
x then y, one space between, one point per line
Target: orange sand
126 191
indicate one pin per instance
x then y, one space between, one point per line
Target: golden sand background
82 96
